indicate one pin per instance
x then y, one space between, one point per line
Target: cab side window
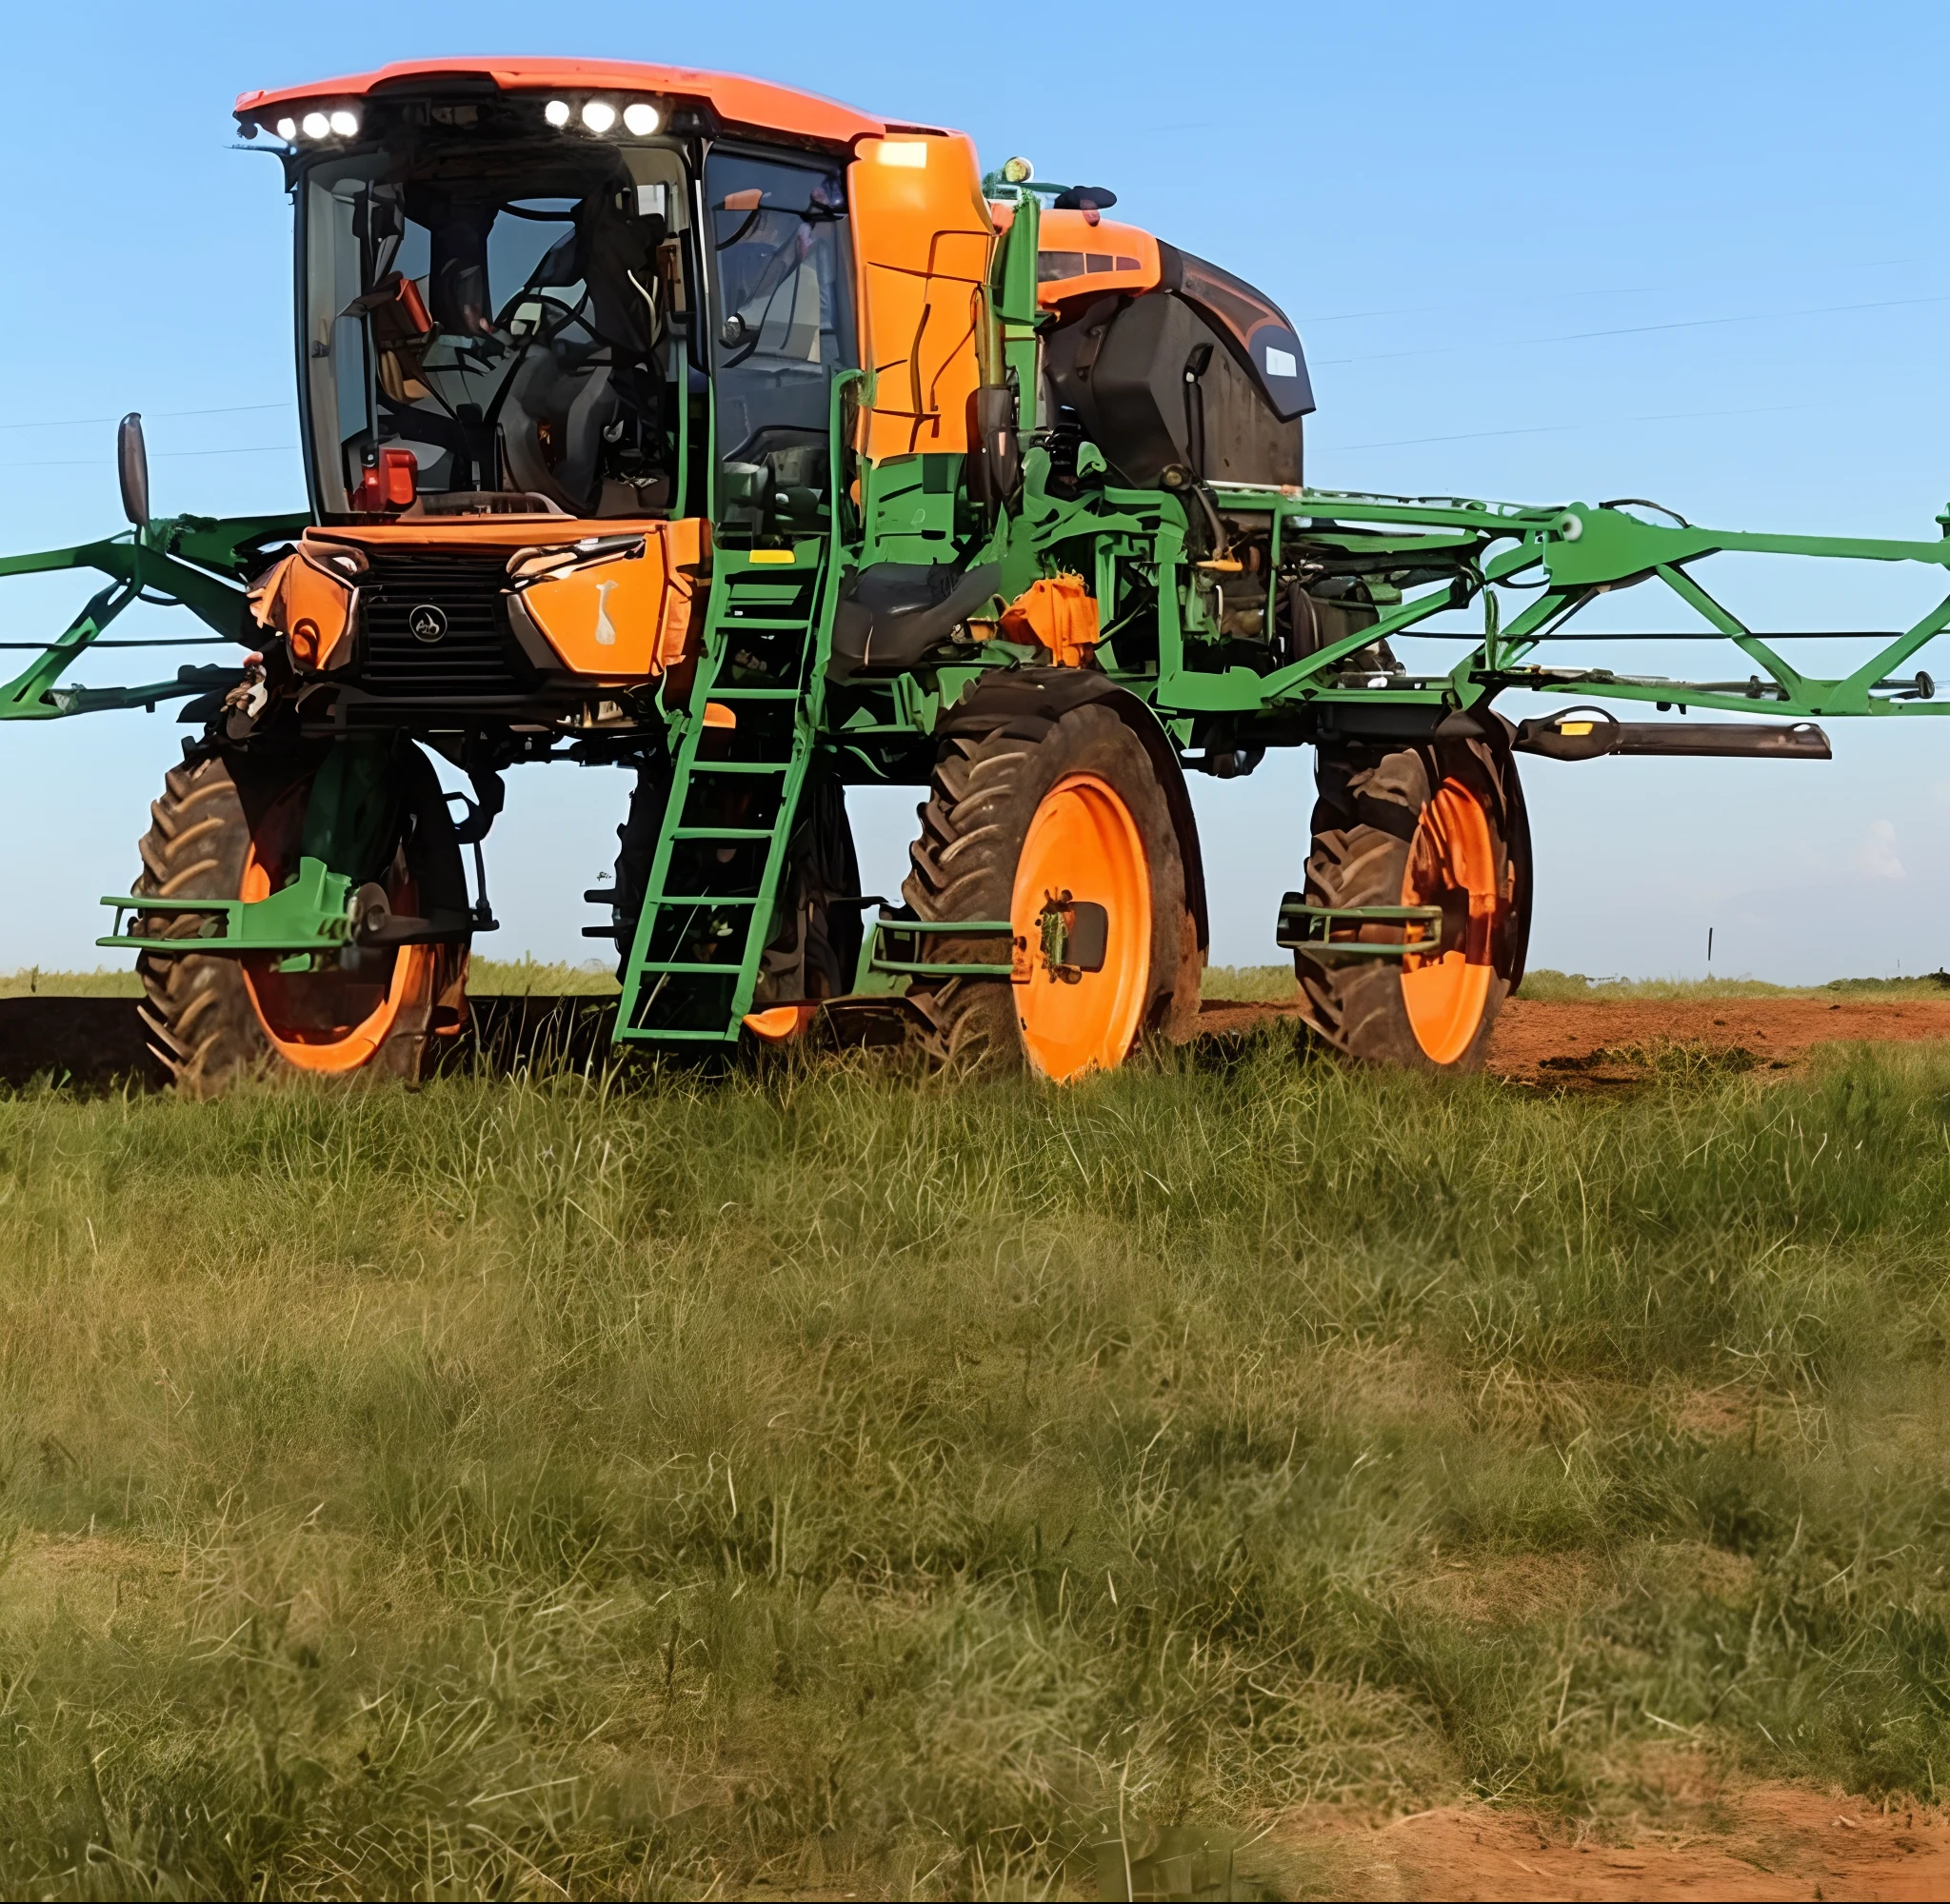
783 329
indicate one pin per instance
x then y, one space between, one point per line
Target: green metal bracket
315 913
874 960
1310 929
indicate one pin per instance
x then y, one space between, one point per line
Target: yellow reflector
772 555
1577 727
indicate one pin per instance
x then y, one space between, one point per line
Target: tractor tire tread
1369 805
964 866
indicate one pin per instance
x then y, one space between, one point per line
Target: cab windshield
501 314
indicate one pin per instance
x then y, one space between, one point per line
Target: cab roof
737 101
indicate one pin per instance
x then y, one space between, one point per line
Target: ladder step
776 606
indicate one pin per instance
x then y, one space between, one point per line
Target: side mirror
132 464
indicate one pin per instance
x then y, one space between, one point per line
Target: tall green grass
837 1479
1576 988
104 981
1252 984
541 978
528 976
487 977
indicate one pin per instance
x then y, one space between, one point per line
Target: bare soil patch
1710 1841
1601 1042
1716 1414
1539 1041
1229 1018
1509 1589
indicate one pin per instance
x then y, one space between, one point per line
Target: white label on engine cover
1281 362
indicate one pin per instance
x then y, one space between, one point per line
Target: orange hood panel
612 614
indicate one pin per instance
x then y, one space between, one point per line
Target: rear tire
1014 818
224 830
1439 823
815 941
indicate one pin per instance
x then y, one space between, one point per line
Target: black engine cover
1162 393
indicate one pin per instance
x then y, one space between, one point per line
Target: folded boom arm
192 562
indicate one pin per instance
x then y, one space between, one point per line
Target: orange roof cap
739 101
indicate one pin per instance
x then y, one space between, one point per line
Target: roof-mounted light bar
319 123
638 117
594 113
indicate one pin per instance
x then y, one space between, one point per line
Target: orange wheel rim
1083 842
320 1021
1451 862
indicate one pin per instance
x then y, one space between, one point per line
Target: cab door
782 328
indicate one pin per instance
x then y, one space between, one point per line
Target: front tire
1430 823
225 830
1015 821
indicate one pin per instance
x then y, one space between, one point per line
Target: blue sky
1692 253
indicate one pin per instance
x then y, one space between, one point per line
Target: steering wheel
571 314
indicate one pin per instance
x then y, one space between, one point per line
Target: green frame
192 561
1528 572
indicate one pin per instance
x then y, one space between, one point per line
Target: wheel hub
1081 918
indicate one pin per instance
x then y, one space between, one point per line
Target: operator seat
567 393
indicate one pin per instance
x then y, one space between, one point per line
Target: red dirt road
1536 1042
1764 1841
1531 1033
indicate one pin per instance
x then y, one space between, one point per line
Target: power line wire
159 456
1637 330
75 423
1554 429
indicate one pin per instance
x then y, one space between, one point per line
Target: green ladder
714 883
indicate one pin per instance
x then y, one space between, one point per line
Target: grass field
835 1480
1574 987
1251 984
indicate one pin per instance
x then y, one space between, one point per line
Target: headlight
316 125
640 118
288 131
556 112
598 116
346 124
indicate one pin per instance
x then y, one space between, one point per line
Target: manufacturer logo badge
428 622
